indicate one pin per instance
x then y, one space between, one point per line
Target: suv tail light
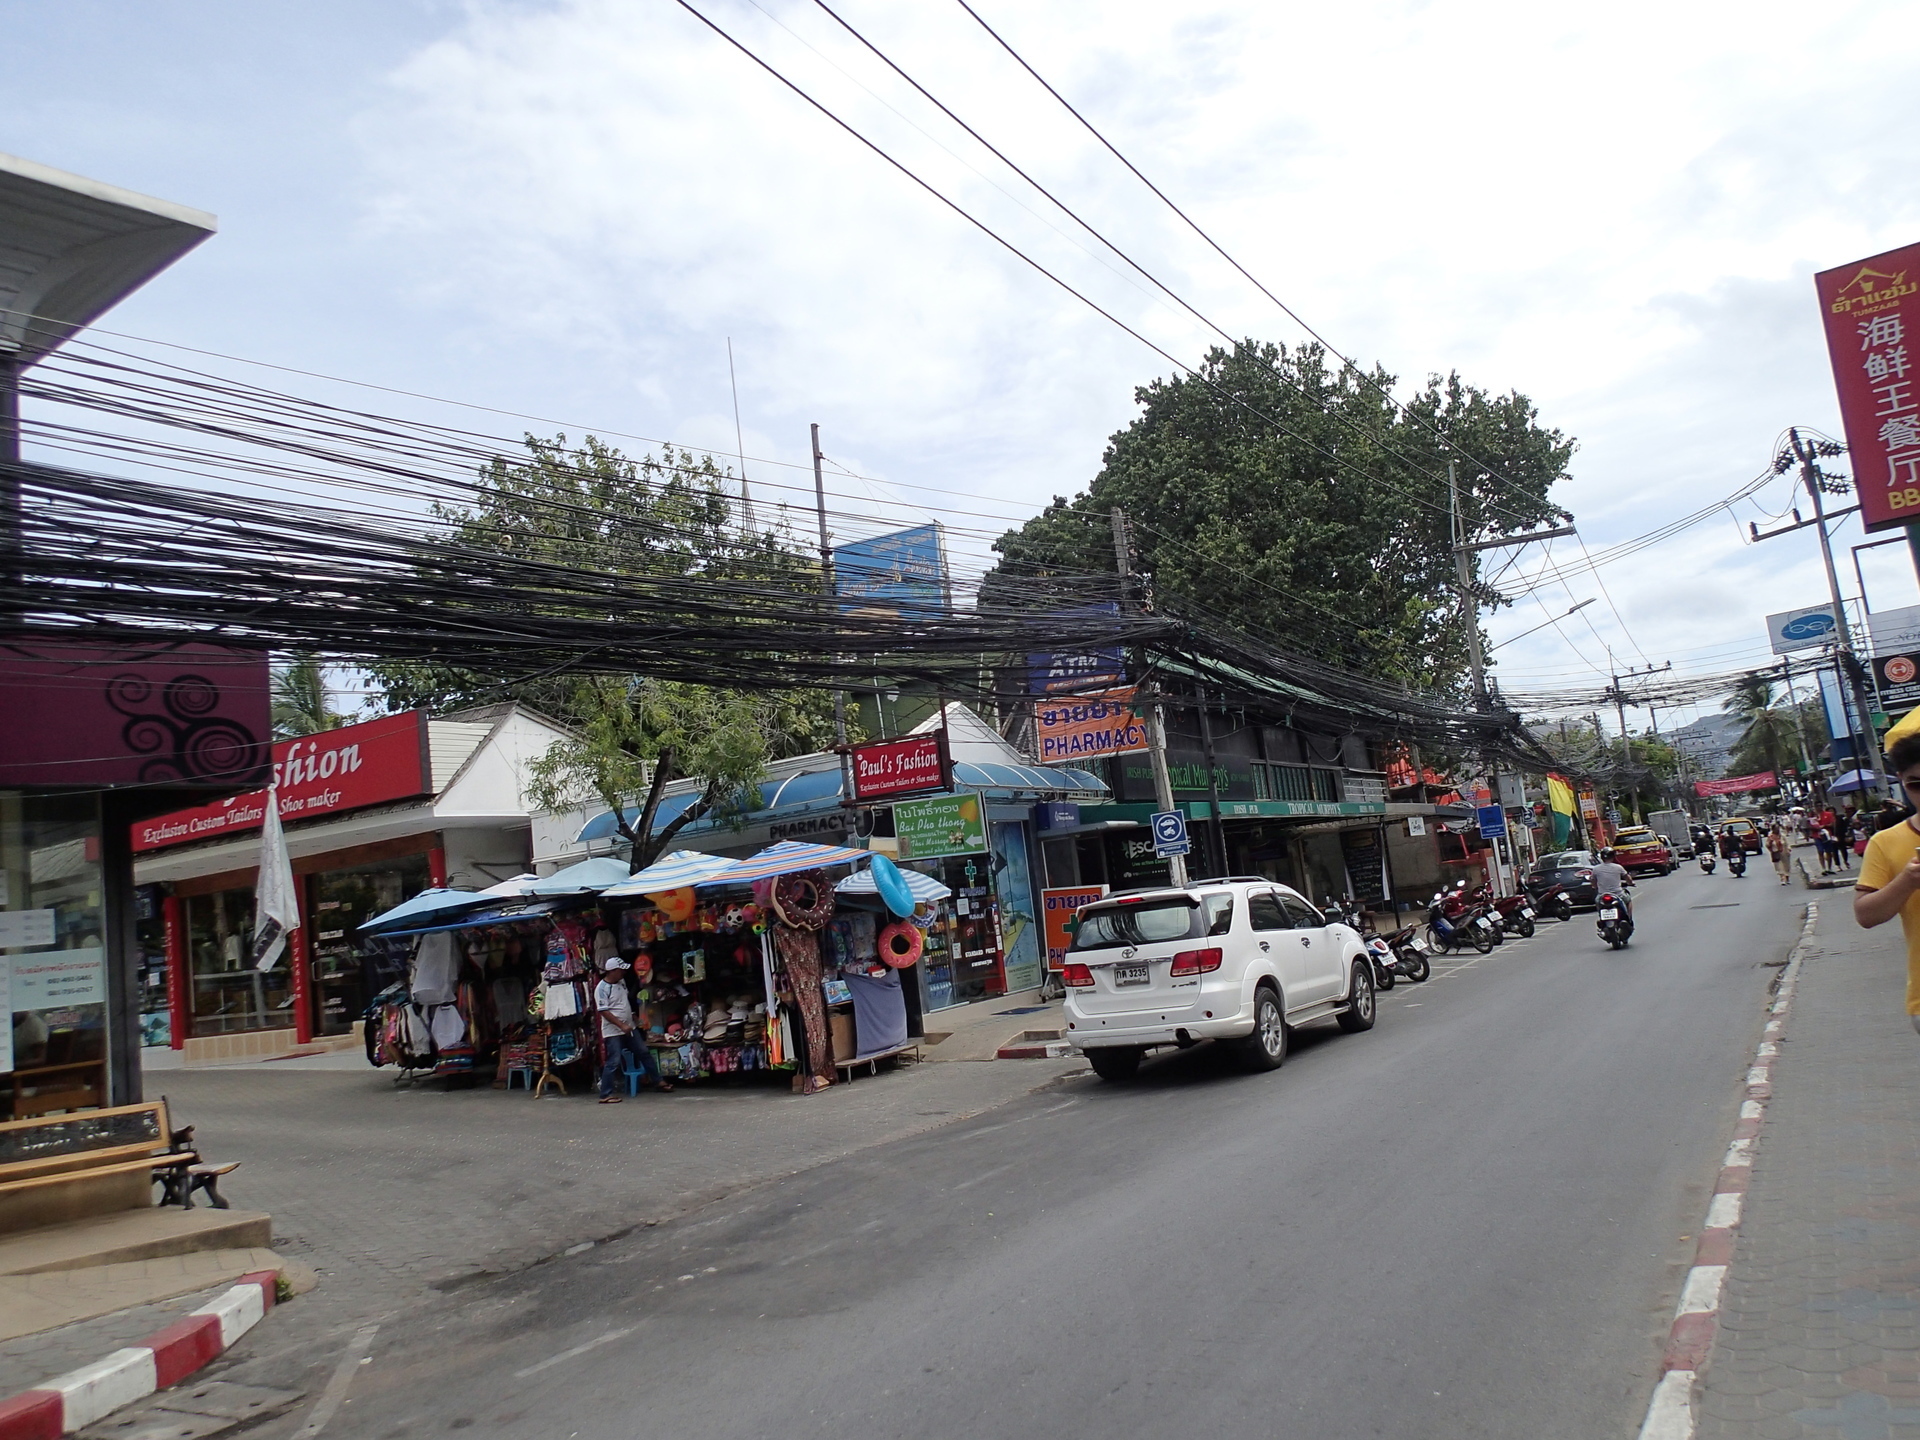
1195 962
1077 977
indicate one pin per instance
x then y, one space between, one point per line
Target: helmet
1607 855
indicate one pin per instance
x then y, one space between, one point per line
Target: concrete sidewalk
1819 1331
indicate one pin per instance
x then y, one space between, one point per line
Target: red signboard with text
1735 785
351 768
890 768
1872 313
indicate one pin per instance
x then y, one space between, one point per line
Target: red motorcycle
1456 923
1515 913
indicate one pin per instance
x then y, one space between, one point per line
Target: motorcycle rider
1611 878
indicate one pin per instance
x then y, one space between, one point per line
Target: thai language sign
1059 913
1080 727
1735 784
901 767
317 775
1872 313
940 825
57 979
903 574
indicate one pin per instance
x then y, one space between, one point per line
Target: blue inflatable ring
892 886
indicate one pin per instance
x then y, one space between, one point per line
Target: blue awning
819 792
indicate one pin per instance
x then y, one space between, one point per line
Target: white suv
1241 960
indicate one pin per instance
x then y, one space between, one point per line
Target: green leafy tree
1325 526
1768 741
631 735
298 698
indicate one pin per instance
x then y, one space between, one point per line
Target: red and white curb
1033 1050
1697 1318
77 1399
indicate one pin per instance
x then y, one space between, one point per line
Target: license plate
1527 910
1484 923
1130 975
1417 943
1609 914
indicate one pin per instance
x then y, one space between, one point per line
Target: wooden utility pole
1156 723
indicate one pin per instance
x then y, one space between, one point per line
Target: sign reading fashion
901 767
1082 726
1872 313
316 775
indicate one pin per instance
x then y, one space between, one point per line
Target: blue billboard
902 574
1049 674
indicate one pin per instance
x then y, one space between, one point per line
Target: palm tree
299 698
1766 726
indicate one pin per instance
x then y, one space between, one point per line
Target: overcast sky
566 209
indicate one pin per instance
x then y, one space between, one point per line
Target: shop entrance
347 970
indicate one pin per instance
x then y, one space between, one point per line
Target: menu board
1366 871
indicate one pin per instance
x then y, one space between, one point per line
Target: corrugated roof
450 744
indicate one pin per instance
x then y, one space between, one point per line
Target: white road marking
332 1397
1752 1110
1724 1212
1758 1075
1740 1152
1670 1416
593 1344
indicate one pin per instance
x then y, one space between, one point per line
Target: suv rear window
1150 922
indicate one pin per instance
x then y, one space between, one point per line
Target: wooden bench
95 1162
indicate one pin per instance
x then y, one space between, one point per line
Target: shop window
55 1051
1302 782
347 971
150 937
229 995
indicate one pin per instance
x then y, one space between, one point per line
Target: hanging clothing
449 1026
879 1012
799 952
436 970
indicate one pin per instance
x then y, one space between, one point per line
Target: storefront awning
819 792
785 858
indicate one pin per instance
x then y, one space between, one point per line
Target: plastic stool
525 1074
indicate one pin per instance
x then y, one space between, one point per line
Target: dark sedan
1572 870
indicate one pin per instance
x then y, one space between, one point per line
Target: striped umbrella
786 857
671 872
921 887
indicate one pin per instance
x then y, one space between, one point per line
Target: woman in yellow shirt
1889 883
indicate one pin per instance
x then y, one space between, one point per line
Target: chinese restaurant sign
901 767
1734 785
326 774
940 825
1872 314
1080 727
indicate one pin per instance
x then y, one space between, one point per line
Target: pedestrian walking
618 1036
1889 883
1843 832
1781 853
1823 847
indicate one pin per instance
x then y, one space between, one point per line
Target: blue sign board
1493 822
1169 833
1049 674
901 574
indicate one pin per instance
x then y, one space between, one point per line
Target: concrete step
132 1235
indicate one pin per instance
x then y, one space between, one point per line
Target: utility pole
833 609
1219 826
1799 730
1469 606
1619 698
1156 723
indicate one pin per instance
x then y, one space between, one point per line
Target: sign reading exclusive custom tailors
901 767
940 825
1081 726
337 770
1872 313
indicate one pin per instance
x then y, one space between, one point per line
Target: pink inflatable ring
900 944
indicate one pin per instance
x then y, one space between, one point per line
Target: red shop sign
891 768
326 774
1872 314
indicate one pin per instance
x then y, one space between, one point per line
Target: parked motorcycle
1410 951
1706 862
1515 915
1556 902
1455 924
1615 921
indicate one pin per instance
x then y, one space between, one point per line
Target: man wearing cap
618 1038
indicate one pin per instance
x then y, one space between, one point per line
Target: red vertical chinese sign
1872 314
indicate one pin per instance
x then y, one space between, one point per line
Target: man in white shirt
618 1036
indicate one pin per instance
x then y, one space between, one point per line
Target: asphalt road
1471 1221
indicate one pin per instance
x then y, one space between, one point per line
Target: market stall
732 967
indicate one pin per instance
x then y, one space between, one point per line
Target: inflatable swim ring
900 944
803 899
